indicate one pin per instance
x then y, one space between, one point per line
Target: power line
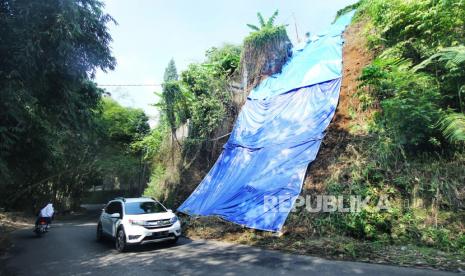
116 85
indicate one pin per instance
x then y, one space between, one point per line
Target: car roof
135 199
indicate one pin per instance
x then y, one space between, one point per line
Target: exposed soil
355 58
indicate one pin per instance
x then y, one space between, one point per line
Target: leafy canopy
49 53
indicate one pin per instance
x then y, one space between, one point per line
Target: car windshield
146 207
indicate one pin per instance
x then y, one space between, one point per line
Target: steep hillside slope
355 58
344 162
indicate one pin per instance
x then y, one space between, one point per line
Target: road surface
70 248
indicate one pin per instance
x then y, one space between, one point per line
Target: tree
123 125
120 128
171 74
49 54
264 25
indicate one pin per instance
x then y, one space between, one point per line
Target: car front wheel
121 245
174 241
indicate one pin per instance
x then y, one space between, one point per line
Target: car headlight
137 222
174 219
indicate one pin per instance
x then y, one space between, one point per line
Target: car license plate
160 234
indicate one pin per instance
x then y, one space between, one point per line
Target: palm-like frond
253 27
271 20
261 20
453 127
452 56
264 24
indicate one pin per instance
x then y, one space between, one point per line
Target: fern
451 56
453 127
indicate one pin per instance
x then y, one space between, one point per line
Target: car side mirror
169 210
115 215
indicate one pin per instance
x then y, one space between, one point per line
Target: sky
149 33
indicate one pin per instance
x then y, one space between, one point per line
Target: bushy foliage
266 32
199 98
260 37
415 80
412 93
425 202
409 101
224 60
346 10
123 124
120 127
49 53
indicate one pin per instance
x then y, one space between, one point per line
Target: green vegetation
200 102
54 127
61 135
346 10
266 32
266 49
404 140
412 104
117 163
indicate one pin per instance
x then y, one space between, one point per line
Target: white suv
137 221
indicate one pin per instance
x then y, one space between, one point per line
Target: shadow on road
109 244
71 248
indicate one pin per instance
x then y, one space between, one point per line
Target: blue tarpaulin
277 134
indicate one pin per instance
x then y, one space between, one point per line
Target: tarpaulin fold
277 134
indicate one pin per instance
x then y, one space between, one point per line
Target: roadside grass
335 247
9 222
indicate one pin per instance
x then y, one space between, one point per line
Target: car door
117 208
106 218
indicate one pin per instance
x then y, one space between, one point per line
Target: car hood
155 216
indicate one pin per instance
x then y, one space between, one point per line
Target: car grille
157 235
154 224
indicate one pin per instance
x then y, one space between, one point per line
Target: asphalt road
70 248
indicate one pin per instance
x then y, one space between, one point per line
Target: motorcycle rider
47 214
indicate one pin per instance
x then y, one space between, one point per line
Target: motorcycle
41 227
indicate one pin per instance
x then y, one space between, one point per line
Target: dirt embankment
355 58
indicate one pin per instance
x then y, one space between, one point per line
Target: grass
336 247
